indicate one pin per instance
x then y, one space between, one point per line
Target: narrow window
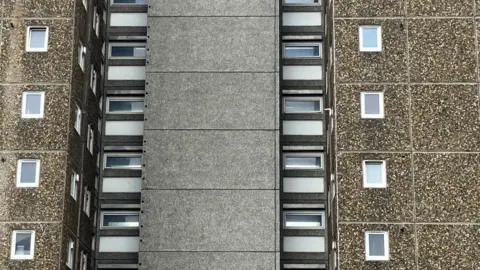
28 173
302 50
374 174
100 103
33 104
82 52
37 39
83 260
86 201
78 120
23 245
302 105
370 38
115 220
135 2
303 161
70 252
85 4
96 21
371 104
93 242
127 50
125 105
93 79
302 2
90 139
74 185
301 219
123 161
376 246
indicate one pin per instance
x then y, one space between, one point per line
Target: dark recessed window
125 105
134 2
299 50
302 2
120 220
127 50
123 161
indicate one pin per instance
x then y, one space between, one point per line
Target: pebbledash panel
303 200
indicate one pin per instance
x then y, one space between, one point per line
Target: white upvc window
303 161
23 245
82 52
86 201
374 174
70 254
28 172
90 138
123 161
376 246
37 39
33 104
371 105
78 120
75 179
370 38
303 219
93 79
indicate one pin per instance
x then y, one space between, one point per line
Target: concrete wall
209 193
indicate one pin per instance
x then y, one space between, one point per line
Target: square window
303 161
302 50
28 172
74 185
370 37
33 104
78 120
23 245
302 104
118 219
374 174
37 39
302 219
371 104
376 246
70 254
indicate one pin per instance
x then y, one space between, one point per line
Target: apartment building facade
265 134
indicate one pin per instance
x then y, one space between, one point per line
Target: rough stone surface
206 8
376 8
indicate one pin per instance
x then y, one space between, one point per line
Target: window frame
386 246
127 44
13 256
85 4
83 260
93 79
383 170
70 254
42 104
90 139
379 38
118 213
299 44
381 105
87 200
301 154
29 36
296 98
304 212
19 173
302 4
82 53
96 21
126 4
125 99
114 154
78 120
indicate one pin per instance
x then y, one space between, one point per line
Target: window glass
78 120
120 220
302 2
70 252
301 106
28 171
370 38
302 162
37 38
124 161
372 103
299 50
303 219
128 51
32 104
74 185
125 105
376 244
130 1
374 174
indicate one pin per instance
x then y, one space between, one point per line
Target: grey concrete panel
209 8
207 260
208 220
211 101
211 44
202 159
